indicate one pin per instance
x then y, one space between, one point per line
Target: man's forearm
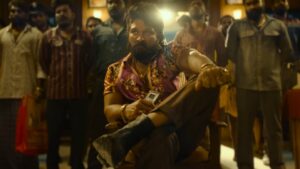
196 61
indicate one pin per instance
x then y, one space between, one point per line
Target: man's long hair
148 13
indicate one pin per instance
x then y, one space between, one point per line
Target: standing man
19 48
110 44
65 60
206 39
117 10
258 45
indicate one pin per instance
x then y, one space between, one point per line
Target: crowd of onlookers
94 76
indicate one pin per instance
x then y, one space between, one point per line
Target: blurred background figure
110 44
92 22
19 47
39 16
206 39
224 23
184 21
65 58
259 45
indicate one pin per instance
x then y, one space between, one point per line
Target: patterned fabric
66 62
18 61
210 42
161 77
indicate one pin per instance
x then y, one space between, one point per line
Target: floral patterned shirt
161 77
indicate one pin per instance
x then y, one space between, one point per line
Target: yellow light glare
97 13
237 14
167 15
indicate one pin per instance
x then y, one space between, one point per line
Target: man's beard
254 14
18 22
144 53
116 14
197 14
64 22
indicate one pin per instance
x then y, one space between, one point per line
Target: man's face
64 16
197 12
224 24
39 19
116 8
17 16
254 10
143 41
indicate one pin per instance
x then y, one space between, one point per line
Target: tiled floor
226 159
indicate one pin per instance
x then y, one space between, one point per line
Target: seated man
171 128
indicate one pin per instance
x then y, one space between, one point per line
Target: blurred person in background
206 39
19 49
39 16
224 23
110 44
65 58
117 10
258 45
91 23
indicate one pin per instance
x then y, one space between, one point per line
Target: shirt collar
26 28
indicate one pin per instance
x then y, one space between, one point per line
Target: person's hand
212 76
39 93
133 110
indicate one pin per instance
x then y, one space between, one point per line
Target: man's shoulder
274 22
240 22
102 30
116 64
35 31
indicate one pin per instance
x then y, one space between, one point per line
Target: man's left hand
212 76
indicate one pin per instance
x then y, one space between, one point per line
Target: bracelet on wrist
123 116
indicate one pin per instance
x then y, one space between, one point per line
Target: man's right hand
141 106
212 76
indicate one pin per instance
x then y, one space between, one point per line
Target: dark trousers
189 112
9 158
96 126
249 103
56 112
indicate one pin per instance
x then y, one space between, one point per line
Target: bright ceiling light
97 13
167 15
237 14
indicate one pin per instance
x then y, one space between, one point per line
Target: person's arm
286 44
116 107
43 61
222 59
231 42
45 54
192 61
